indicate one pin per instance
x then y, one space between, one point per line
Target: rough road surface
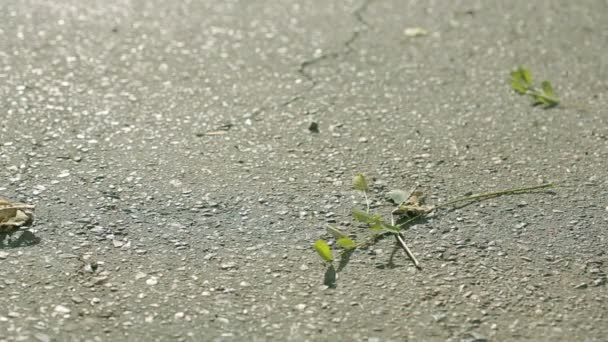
178 187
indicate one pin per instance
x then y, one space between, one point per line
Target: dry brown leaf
414 205
7 213
14 216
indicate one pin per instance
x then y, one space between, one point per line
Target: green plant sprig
521 82
380 228
473 198
360 183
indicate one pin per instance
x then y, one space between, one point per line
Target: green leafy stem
521 82
408 208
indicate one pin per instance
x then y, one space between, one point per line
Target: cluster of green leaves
409 208
342 240
521 82
376 224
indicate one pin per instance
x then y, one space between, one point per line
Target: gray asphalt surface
179 189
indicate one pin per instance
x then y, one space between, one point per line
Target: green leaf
539 99
362 216
376 227
397 196
525 75
547 102
521 80
335 232
375 221
382 226
543 99
390 228
346 243
518 86
516 76
547 88
324 251
359 182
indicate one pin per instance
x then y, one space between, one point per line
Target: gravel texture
183 156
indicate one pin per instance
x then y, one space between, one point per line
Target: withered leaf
14 216
414 205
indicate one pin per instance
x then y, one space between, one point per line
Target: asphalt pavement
183 157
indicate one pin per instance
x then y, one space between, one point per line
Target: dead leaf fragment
6 213
14 216
414 205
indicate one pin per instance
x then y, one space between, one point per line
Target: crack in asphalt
348 47
348 44
302 68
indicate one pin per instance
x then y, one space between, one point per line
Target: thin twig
401 240
494 194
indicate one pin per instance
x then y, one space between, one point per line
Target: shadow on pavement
27 238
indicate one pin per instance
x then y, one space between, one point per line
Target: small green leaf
518 86
539 99
335 232
324 251
516 75
382 226
547 88
376 227
525 75
359 182
362 216
521 82
346 243
397 196
390 228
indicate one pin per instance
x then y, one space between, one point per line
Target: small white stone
140 275
415 32
228 265
4 255
62 309
152 281
179 315
300 307
63 174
